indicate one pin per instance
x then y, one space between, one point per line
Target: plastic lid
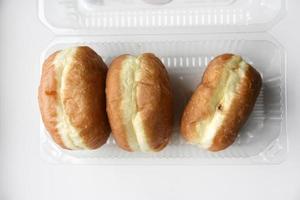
159 16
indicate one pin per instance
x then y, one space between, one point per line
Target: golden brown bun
139 102
72 98
221 103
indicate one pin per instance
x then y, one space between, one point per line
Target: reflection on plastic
157 1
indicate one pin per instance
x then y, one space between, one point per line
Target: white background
23 175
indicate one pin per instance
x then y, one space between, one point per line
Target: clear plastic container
263 138
207 28
175 16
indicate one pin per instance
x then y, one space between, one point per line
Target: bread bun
139 102
72 98
221 103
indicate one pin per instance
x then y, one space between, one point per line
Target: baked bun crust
139 102
72 98
221 104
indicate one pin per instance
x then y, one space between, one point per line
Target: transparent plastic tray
175 16
262 140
